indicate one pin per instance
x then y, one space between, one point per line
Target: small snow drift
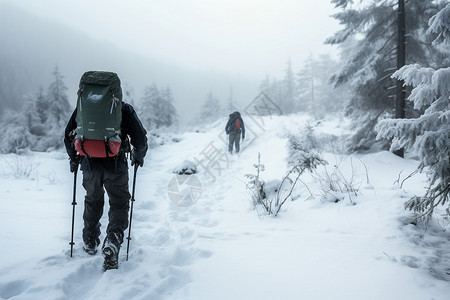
185 168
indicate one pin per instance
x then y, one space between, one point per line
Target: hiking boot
90 246
111 259
110 252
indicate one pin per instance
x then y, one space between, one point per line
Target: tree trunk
401 57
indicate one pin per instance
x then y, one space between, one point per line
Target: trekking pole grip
134 181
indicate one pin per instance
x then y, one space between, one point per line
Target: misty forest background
391 79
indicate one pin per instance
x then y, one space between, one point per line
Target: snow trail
219 247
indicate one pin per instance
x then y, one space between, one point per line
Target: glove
136 159
74 162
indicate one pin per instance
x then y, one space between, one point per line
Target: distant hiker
97 137
234 128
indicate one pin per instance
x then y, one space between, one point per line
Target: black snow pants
95 182
234 139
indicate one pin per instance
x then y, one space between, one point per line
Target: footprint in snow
13 288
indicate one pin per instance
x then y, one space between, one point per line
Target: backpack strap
82 148
107 148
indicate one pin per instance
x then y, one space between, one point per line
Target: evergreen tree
272 89
211 108
288 92
282 92
264 85
329 99
55 108
229 104
39 126
305 87
15 135
35 111
128 93
276 93
157 109
369 53
314 93
150 106
169 113
59 107
429 134
41 106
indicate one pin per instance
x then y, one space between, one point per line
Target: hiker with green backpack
97 137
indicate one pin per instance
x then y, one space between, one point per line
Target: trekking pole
131 209
74 202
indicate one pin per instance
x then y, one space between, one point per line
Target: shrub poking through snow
274 194
305 140
185 168
336 185
300 160
256 184
18 166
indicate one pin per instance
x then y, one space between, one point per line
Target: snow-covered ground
199 237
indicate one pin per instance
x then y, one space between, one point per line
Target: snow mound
187 167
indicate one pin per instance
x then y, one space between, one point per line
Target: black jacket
131 127
230 127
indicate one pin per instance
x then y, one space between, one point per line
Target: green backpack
99 114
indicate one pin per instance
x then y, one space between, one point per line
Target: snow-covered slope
201 238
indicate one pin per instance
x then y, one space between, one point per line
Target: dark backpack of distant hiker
99 115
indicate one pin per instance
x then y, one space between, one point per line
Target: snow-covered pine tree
305 87
39 126
264 85
368 55
329 100
288 90
275 90
314 93
429 134
150 107
229 106
41 105
169 113
55 108
128 93
157 109
59 107
35 111
15 135
282 92
211 109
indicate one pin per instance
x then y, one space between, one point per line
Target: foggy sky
244 37
193 46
